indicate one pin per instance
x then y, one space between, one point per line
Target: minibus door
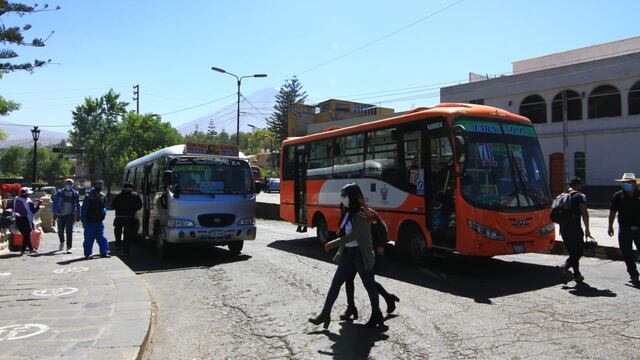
146 200
300 185
440 186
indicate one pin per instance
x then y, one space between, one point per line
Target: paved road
211 304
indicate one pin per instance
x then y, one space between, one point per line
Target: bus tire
235 247
322 229
413 246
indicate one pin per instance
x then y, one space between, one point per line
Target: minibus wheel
236 247
322 229
412 244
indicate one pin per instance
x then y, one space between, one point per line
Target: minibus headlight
247 221
547 229
173 223
485 231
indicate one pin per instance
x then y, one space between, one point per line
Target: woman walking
379 237
25 210
354 255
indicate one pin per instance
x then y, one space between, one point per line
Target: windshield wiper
526 186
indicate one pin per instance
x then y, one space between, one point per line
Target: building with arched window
602 86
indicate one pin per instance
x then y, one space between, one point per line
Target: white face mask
345 202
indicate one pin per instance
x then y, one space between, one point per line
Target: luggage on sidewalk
15 242
36 236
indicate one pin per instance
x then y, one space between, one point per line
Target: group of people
625 204
67 210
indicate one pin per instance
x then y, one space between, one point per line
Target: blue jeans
350 264
95 231
65 225
626 238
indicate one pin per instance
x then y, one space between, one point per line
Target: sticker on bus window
420 183
211 187
489 193
413 176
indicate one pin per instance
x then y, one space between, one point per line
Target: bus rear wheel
236 247
322 230
413 245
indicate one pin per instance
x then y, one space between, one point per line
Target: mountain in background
253 110
21 135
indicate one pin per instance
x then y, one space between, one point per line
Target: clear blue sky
168 47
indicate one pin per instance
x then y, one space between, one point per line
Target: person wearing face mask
354 255
626 203
25 211
66 211
126 204
92 214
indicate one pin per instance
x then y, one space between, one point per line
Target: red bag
15 242
36 236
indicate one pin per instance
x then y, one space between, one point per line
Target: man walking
571 231
126 204
626 203
92 214
66 209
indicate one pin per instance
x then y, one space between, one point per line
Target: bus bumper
202 235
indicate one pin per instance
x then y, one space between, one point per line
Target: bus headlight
485 231
247 221
547 229
174 223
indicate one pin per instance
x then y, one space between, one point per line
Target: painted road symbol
18 332
55 292
5 274
73 269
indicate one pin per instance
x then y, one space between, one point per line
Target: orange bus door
440 183
300 188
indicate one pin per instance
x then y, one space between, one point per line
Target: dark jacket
126 204
94 207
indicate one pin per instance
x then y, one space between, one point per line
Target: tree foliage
290 93
18 161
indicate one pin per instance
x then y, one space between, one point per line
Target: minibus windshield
213 176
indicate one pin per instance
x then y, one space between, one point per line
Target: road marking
74 269
55 292
5 274
18 332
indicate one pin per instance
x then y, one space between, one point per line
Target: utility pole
565 136
136 97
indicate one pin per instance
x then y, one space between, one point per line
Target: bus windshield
213 176
504 166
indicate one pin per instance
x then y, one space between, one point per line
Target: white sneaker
69 251
61 247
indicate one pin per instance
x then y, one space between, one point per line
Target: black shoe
635 281
88 257
375 320
578 278
105 256
391 303
321 319
351 311
566 274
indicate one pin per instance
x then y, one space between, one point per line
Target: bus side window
349 158
288 163
382 157
320 160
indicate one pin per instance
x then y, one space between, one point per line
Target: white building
602 83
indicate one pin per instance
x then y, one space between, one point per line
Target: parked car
273 184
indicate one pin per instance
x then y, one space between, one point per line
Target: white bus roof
175 150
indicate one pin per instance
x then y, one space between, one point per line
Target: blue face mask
68 187
627 186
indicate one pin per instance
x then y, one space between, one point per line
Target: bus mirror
167 178
461 148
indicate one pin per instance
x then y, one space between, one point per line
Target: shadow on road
141 258
466 276
354 341
587 290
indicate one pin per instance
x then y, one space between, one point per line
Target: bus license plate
518 248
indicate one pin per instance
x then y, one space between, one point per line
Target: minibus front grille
216 220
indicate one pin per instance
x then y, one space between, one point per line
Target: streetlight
35 133
239 79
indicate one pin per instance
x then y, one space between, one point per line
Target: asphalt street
210 304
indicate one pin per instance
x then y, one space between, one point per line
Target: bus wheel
236 247
413 245
322 230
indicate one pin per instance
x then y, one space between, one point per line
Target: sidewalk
62 306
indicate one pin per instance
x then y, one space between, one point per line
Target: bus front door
440 189
300 187
146 200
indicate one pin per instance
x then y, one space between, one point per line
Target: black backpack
7 219
561 209
379 232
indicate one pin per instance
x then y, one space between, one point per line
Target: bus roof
442 109
174 151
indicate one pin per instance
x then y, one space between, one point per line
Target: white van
195 194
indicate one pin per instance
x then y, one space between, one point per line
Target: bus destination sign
210 149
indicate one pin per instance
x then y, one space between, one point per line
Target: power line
40 126
62 90
199 105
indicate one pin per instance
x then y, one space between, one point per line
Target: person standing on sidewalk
572 234
626 203
66 210
126 204
25 211
92 214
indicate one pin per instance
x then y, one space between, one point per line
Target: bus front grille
216 220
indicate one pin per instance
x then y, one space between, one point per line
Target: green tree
94 128
51 167
290 93
12 161
260 140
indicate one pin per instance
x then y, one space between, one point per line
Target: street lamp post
239 80
35 133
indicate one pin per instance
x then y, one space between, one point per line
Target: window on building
320 160
382 157
604 101
342 107
634 99
574 106
580 164
477 101
534 108
348 159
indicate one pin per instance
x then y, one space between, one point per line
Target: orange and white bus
460 177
